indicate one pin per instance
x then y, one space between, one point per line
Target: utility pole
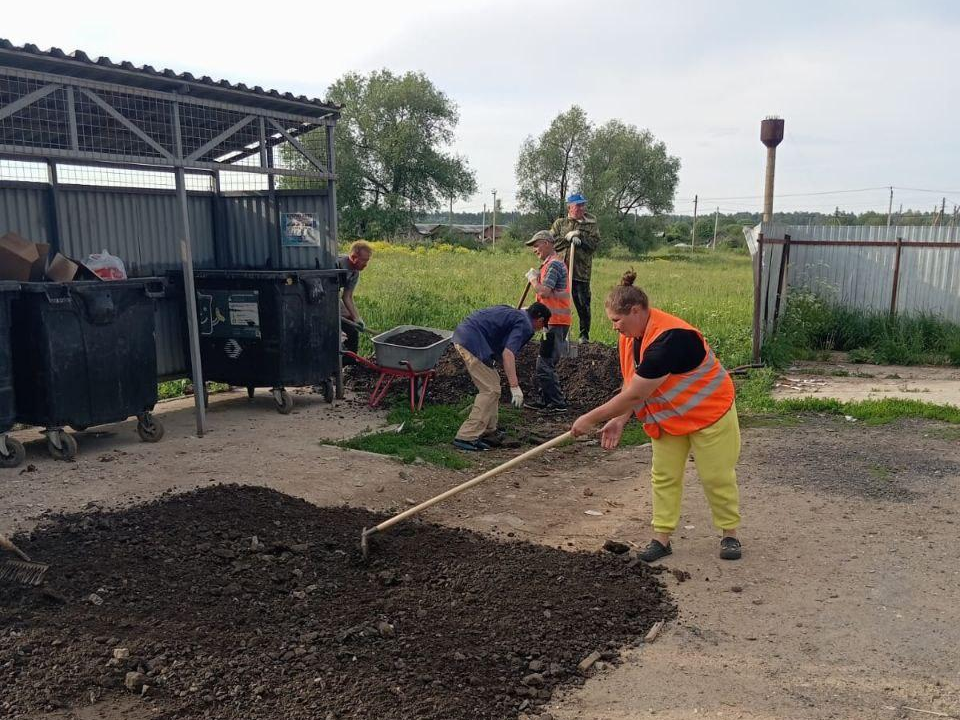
483 222
943 209
716 222
450 216
900 214
890 208
693 230
494 211
956 210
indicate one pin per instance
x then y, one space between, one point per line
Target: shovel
386 524
352 324
24 570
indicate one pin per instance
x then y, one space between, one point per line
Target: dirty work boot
730 549
654 551
470 445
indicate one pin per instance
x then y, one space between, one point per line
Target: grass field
438 287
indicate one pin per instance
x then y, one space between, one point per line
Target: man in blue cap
580 230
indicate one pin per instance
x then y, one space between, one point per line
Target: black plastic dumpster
11 450
85 354
273 328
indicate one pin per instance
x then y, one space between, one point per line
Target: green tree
551 165
626 169
392 157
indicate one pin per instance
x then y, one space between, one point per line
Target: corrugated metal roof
80 64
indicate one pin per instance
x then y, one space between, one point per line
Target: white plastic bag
106 266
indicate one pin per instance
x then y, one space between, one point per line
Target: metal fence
908 270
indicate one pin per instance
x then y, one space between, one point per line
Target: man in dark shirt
353 262
493 333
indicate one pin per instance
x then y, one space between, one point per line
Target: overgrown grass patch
812 327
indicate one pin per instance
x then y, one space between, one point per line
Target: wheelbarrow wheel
284 402
67 449
15 454
149 428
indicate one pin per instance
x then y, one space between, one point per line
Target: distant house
477 233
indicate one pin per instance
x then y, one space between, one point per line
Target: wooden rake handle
509 464
6 544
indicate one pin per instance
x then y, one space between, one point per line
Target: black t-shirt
672 353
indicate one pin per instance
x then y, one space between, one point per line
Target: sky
868 90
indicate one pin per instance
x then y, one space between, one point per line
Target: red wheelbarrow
413 364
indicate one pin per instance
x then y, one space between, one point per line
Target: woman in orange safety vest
675 386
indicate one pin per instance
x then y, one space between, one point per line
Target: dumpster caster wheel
284 401
149 428
329 391
12 453
61 445
250 390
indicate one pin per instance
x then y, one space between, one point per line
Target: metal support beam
123 120
72 120
53 200
300 148
190 293
229 132
27 100
332 190
757 288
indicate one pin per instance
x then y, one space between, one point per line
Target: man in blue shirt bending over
497 332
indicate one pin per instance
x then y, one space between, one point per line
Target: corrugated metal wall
143 228
862 276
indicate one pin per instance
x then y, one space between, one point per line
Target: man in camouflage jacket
579 228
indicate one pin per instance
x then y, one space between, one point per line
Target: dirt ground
846 604
848 381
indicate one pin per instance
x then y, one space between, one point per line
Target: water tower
771 135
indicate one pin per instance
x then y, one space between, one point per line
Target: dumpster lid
38 287
266 274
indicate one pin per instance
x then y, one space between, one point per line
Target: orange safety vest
686 402
559 302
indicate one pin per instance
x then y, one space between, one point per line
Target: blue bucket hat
577 198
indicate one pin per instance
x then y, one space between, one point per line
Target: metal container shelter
187 172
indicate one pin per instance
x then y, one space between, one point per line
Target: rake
24 571
509 464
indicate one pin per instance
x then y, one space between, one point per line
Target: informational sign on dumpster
300 229
222 313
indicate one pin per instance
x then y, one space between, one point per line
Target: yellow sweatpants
716 450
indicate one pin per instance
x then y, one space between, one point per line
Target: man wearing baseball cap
580 230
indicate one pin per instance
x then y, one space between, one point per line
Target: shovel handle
523 297
532 453
8 545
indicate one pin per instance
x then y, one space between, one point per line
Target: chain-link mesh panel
43 123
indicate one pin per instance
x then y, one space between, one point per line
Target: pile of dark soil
587 381
241 602
414 338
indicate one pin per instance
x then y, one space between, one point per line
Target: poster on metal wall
300 229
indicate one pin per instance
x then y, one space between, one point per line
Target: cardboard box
62 269
18 258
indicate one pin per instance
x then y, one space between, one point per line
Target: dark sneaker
557 408
538 405
654 551
470 445
730 549
584 339
494 439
